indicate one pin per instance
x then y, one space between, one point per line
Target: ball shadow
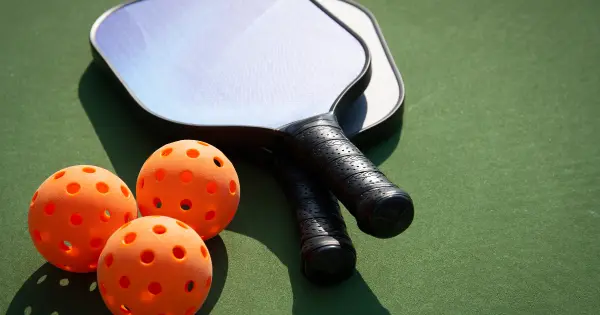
50 290
263 213
220 261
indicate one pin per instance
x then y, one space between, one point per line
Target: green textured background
500 150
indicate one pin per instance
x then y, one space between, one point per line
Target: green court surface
500 150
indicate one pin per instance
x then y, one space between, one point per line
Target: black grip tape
322 226
322 145
327 253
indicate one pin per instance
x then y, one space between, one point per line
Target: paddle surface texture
274 72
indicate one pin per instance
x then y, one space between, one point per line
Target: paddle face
260 63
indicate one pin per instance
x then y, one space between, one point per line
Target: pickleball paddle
268 73
327 253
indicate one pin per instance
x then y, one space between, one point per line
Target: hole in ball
186 204
183 225
218 162
193 153
178 252
147 256
124 309
76 219
232 187
66 246
155 288
102 187
189 286
59 174
129 238
108 260
105 215
125 191
210 215
159 229
73 188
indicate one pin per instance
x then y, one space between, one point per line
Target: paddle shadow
378 142
263 213
266 216
380 152
351 297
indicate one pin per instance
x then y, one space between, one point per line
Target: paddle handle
327 253
381 208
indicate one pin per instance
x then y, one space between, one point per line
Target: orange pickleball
155 265
191 181
74 212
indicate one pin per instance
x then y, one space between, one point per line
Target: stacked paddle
296 80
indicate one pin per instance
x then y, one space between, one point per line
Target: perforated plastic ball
191 181
74 212
155 265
